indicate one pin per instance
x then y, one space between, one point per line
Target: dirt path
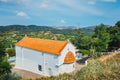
80 63
26 74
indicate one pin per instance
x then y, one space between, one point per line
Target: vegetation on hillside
5 67
104 39
101 69
114 32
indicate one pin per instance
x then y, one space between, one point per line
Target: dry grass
104 68
109 57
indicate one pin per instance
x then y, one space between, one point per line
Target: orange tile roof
69 57
44 45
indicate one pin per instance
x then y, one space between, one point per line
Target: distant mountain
69 30
88 30
91 28
34 28
54 29
66 27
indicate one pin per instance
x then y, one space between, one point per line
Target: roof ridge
45 39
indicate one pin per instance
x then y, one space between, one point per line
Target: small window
40 67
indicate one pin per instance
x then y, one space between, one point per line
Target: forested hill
23 28
35 28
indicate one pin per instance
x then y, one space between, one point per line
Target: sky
80 13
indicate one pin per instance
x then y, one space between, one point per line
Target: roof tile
45 45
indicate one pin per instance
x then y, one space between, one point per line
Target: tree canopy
4 65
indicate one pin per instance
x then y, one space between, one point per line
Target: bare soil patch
26 74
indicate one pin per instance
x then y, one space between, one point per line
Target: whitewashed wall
29 59
66 67
50 63
18 57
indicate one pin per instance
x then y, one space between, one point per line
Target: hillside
34 28
31 28
106 67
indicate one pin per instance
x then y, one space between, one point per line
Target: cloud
109 0
4 1
62 21
78 6
44 4
91 2
22 14
62 6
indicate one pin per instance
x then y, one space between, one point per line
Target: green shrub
10 51
12 76
84 52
